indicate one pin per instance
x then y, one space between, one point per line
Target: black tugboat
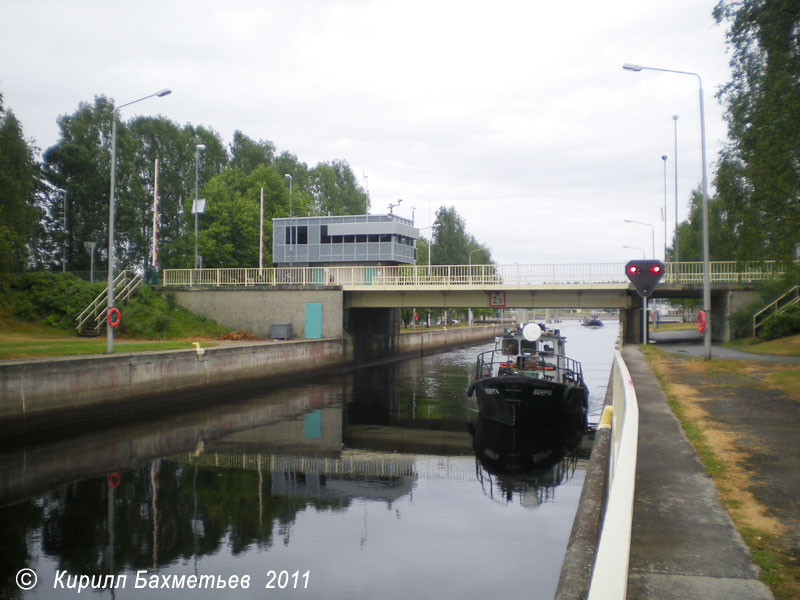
527 380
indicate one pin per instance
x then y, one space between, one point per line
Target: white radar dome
531 332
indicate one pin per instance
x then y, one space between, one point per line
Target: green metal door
313 327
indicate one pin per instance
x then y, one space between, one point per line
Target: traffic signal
644 275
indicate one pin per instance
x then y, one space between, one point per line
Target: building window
297 235
323 234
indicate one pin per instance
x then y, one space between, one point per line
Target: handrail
464 276
610 571
125 283
776 306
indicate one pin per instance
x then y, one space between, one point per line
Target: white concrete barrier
610 572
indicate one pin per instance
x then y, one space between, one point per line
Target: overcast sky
516 113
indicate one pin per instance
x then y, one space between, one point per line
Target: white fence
610 572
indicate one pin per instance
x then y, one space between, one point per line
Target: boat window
528 348
510 347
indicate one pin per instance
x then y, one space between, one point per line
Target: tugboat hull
521 401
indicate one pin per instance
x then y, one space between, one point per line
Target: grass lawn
23 339
788 346
13 346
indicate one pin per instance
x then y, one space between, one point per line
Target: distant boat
527 380
593 322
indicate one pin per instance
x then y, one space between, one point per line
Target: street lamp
66 232
471 253
706 260
653 233
197 149
664 158
110 296
636 248
675 162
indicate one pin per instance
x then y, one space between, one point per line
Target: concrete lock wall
256 309
30 389
423 342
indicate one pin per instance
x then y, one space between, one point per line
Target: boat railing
554 367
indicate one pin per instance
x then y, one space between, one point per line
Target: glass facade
351 239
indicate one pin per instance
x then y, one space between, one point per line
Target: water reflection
370 481
529 462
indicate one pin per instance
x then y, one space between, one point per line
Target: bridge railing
376 277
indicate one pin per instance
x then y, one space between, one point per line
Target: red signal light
644 275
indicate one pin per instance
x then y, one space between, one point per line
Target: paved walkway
690 342
683 543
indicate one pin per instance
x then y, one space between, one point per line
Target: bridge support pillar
374 332
630 319
723 306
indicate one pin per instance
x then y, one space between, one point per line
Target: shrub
782 324
55 298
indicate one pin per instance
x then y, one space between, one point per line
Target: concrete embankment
37 390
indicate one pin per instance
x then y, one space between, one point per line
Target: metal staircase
790 298
93 318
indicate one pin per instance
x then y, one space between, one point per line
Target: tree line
755 211
50 208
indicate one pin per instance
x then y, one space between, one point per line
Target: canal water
365 485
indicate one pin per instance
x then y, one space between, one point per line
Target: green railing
459 276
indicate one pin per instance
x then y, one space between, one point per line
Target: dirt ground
747 416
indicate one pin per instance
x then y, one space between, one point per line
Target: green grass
58 346
38 310
673 326
788 346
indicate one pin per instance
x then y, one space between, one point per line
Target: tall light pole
675 162
197 149
664 158
291 233
652 233
636 248
110 296
706 260
66 232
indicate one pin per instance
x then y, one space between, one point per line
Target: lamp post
291 233
652 232
197 149
675 162
66 233
664 158
706 260
636 248
110 296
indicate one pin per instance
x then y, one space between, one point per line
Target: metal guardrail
125 283
786 300
460 276
610 571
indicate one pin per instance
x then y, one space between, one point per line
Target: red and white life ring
113 318
701 321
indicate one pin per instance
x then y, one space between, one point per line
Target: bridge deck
582 276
